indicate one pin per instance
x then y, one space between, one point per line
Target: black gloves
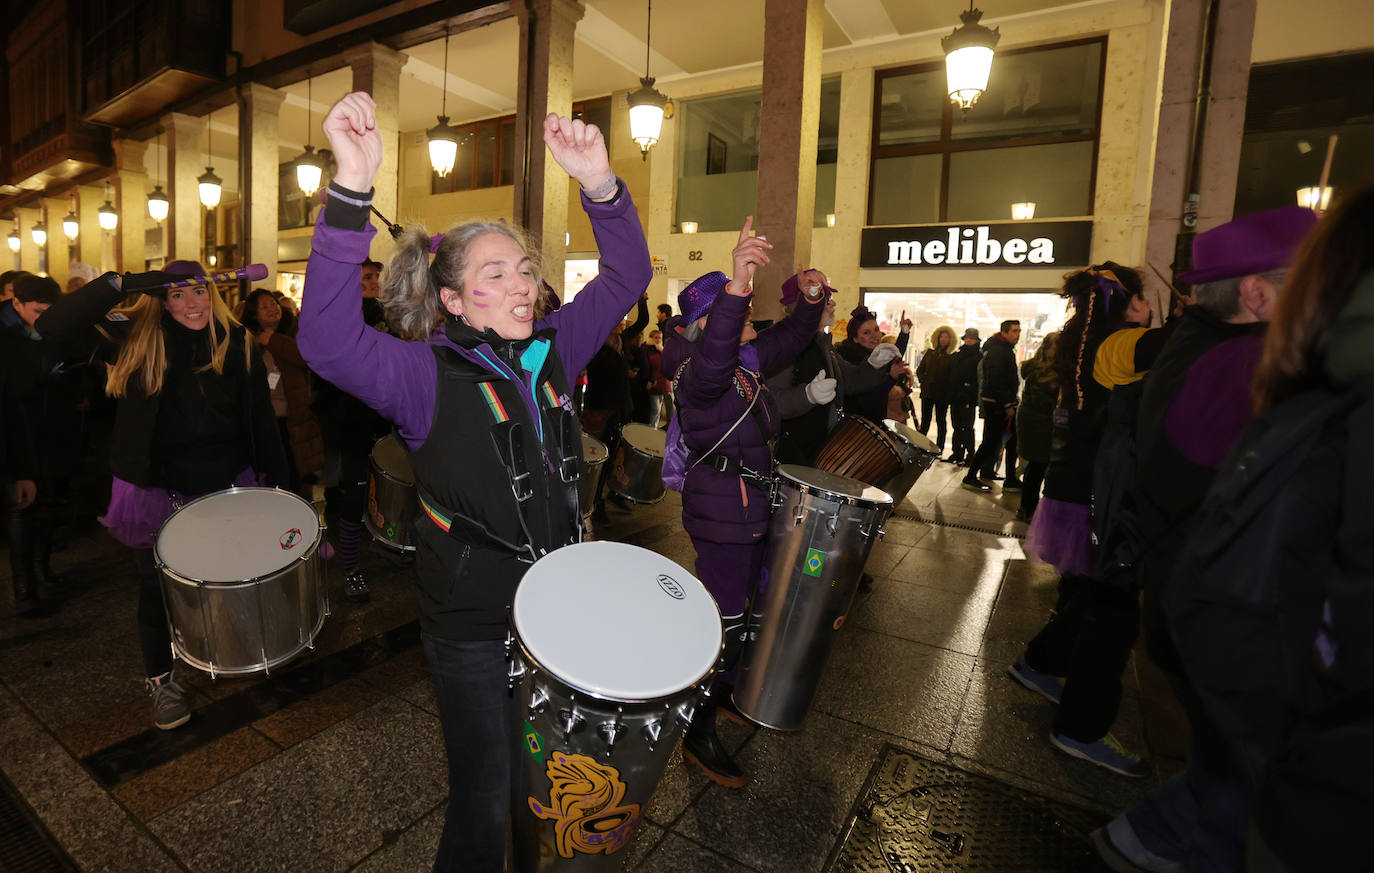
150 283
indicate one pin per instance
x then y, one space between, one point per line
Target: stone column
131 199
851 185
547 28
1222 134
790 117
185 163
377 70
258 125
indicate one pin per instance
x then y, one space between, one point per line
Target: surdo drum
242 579
822 530
610 649
391 497
594 455
637 471
918 454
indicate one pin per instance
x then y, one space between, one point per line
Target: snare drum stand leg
262 629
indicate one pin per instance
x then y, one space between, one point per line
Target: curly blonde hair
145 350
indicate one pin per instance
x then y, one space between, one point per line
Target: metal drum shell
916 459
594 457
392 501
250 626
796 621
637 471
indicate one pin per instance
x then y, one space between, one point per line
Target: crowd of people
1200 471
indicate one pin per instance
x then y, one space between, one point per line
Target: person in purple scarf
729 421
483 405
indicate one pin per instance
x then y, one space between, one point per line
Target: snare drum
822 530
611 647
637 473
918 454
594 454
391 497
242 579
860 449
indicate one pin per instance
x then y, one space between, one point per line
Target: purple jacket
398 378
713 392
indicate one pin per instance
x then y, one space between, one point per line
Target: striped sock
350 531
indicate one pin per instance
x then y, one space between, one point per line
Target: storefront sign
1023 244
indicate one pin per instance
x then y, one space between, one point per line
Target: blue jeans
1200 817
478 718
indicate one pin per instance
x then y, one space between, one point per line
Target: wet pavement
337 763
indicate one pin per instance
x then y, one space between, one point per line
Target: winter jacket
933 371
871 404
44 394
466 579
307 441
715 380
998 384
805 426
1035 415
963 374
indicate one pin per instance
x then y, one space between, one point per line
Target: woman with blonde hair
193 416
483 406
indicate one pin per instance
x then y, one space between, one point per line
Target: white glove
883 355
820 390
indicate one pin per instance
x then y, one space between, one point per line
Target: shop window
718 157
1032 137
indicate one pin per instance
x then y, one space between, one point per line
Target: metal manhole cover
920 815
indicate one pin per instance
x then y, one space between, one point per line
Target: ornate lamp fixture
648 107
15 239
106 214
309 167
211 186
968 58
158 204
71 225
40 233
443 139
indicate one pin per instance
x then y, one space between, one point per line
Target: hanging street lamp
968 58
1317 198
648 107
106 214
211 186
15 239
40 234
443 140
309 166
158 204
71 227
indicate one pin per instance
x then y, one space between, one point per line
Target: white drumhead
593 450
617 621
237 535
911 435
842 486
649 440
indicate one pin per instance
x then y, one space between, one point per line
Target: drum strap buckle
723 463
510 446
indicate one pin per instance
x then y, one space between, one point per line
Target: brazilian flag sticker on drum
815 562
534 744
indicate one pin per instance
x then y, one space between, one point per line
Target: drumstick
252 272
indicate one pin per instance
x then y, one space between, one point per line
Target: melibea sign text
1041 243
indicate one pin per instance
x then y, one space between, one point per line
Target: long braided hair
1098 296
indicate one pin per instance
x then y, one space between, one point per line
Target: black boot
703 748
42 550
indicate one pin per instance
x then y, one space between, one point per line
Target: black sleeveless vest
485 447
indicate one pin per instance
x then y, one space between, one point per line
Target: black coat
963 374
43 405
998 383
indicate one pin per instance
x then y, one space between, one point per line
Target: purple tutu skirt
136 514
1061 535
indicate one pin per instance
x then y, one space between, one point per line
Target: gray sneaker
169 702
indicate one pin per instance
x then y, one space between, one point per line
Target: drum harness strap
723 463
508 440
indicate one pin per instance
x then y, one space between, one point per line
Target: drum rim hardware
809 488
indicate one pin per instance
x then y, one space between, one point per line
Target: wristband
604 191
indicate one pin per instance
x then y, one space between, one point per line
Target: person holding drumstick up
484 409
728 420
194 416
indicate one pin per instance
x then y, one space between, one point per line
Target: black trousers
1030 492
939 408
153 636
994 429
961 416
1088 640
